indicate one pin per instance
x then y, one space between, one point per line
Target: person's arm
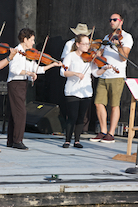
71 73
54 64
5 62
103 69
124 46
32 74
98 72
123 51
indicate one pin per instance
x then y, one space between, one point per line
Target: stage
81 177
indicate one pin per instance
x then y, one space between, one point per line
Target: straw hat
81 29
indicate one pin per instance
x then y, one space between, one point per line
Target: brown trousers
17 117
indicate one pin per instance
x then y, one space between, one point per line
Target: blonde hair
78 39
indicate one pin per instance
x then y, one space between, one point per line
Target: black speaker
44 118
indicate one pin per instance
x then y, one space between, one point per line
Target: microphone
106 42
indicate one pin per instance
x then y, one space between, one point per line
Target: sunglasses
115 19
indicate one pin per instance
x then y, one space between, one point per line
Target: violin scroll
116 35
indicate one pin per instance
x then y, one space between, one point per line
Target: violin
99 61
4 48
31 54
95 44
116 35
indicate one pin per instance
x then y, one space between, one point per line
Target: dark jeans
76 108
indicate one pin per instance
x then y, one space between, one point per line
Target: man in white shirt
111 84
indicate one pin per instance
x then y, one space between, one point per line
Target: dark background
54 18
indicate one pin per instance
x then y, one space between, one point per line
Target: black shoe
66 145
20 145
78 145
9 144
84 132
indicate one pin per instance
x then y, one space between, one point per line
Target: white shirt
73 86
67 48
20 63
113 57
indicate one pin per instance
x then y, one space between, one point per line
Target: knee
97 105
115 108
100 107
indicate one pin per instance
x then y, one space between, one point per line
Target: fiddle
4 48
31 54
116 35
99 61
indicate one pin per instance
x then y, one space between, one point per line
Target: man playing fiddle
110 84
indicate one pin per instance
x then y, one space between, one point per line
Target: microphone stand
133 170
111 45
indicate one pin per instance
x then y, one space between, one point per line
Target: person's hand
34 76
13 52
117 43
109 66
99 53
105 67
57 64
80 75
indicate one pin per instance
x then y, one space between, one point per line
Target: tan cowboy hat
81 29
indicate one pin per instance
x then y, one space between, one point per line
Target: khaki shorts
109 89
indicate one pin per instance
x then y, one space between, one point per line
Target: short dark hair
121 16
25 32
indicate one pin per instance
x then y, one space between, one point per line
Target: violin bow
92 34
93 29
41 55
42 52
2 28
85 70
124 56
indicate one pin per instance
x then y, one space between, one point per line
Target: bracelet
8 59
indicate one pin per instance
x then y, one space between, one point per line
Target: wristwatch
8 59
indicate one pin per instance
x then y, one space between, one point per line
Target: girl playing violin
20 70
78 93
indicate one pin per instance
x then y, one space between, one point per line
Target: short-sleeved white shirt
73 86
113 57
